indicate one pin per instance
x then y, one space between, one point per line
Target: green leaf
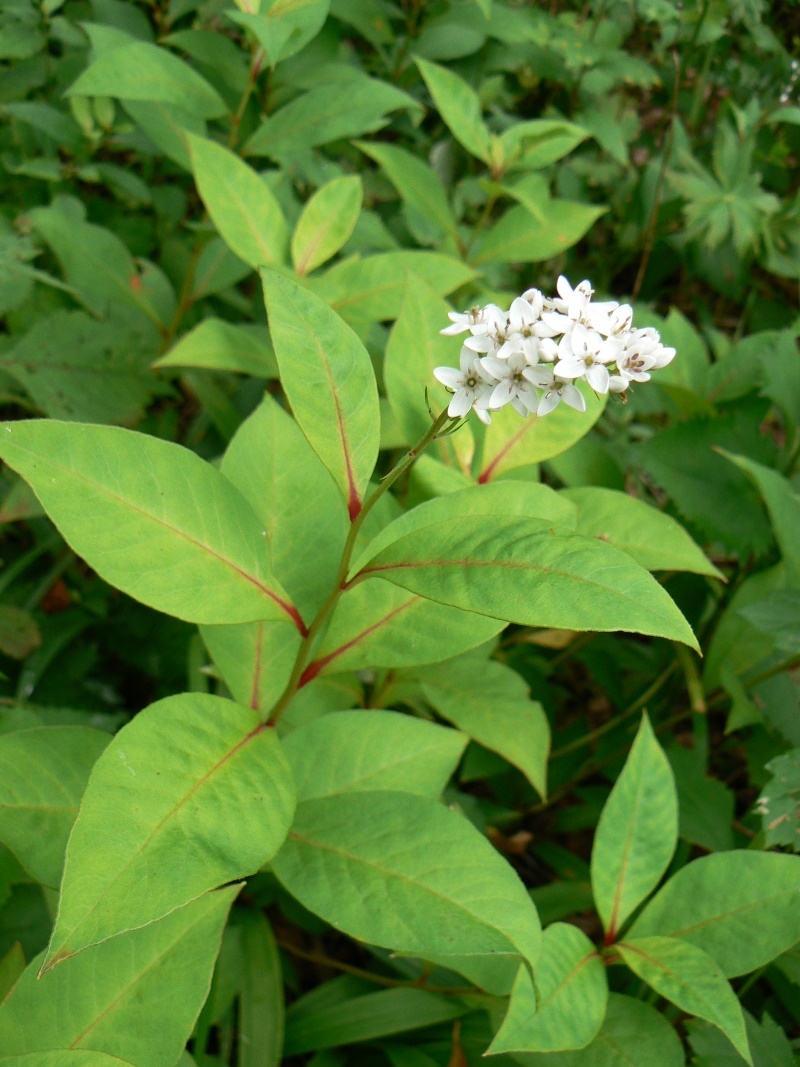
151 518
240 202
136 996
261 1005
540 142
11 967
368 751
328 378
492 705
522 571
451 894
520 237
364 1018
567 1008
167 127
136 70
218 345
19 632
255 659
705 805
778 803
690 979
652 538
327 221
511 442
459 106
64 1058
637 832
769 1045
43 773
781 370
285 27
783 505
193 792
742 908
417 183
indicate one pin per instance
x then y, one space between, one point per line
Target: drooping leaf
151 518
368 751
459 106
637 832
112 997
192 793
328 378
215 344
261 1004
451 894
567 1007
43 773
690 979
740 907
242 205
521 570
327 221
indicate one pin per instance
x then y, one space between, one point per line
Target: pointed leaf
742 908
368 751
459 106
327 221
261 1005
450 894
637 832
151 518
112 997
43 773
218 345
193 792
522 571
567 1008
690 979
242 205
328 378
519 237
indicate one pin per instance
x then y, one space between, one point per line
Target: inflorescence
532 355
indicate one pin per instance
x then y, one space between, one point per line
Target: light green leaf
540 142
637 832
368 751
151 518
512 442
218 345
459 106
327 221
742 908
450 894
64 1058
11 967
522 571
328 378
653 539
491 703
690 979
377 624
137 70
43 773
261 1005
167 127
567 1008
417 183
520 237
255 659
136 996
285 26
193 792
242 205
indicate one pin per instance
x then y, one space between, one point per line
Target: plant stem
324 613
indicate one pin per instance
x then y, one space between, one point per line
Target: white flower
463 322
514 386
521 336
470 387
574 303
584 354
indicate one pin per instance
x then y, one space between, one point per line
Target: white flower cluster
532 355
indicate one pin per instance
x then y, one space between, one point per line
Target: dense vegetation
493 799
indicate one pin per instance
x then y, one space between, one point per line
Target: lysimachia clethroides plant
312 573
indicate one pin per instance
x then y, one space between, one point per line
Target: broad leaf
255 659
690 979
261 1006
43 773
151 518
520 570
520 237
491 704
742 908
242 205
218 345
649 536
64 1058
459 106
567 1008
112 997
328 378
637 832
327 221
193 792
368 751
450 894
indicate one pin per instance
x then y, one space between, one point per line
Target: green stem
324 613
